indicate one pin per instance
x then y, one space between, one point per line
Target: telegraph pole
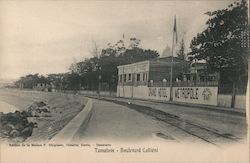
172 59
99 85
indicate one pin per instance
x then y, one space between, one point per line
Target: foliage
86 74
220 43
181 53
31 80
106 65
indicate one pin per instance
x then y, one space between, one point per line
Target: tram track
201 132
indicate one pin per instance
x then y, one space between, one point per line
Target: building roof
133 64
158 60
169 59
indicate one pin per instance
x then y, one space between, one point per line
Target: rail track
204 133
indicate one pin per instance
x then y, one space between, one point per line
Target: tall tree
31 80
111 57
181 53
220 44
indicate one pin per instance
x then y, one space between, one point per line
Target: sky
47 36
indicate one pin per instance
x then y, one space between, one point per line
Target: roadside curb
205 107
234 111
214 108
79 122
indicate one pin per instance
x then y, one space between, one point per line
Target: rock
27 131
44 109
32 119
9 126
26 114
46 115
38 108
35 125
39 104
19 125
16 124
14 133
14 118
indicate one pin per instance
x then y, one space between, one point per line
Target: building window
120 78
124 79
144 77
129 77
138 77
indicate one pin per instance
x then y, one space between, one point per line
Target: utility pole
123 82
98 69
99 84
172 59
171 73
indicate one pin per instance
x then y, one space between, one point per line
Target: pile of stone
17 125
39 109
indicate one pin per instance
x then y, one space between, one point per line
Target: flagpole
172 59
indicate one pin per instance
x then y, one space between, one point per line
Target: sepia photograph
124 81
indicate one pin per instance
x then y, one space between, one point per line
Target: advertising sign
159 93
199 95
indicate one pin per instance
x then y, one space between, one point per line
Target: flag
175 29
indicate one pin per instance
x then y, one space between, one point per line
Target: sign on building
159 93
198 95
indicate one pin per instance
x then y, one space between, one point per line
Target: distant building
151 80
198 75
151 72
43 87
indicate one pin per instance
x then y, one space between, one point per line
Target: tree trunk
233 95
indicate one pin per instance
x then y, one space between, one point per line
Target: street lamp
98 68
